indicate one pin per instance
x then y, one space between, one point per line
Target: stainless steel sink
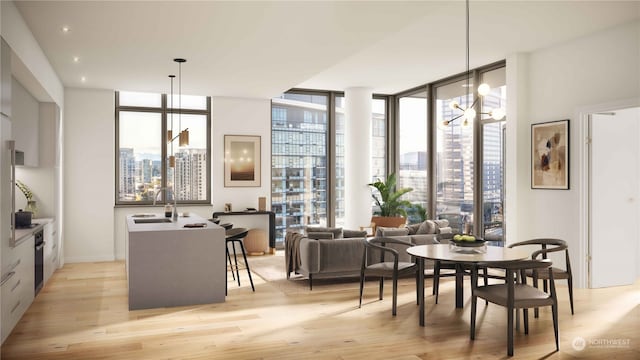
152 221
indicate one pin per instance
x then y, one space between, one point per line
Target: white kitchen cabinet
26 123
5 78
51 250
18 281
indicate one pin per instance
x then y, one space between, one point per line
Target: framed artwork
241 161
550 155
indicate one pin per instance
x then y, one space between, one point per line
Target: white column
357 149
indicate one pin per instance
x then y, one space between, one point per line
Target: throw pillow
441 222
320 235
353 233
427 227
390 231
445 230
413 228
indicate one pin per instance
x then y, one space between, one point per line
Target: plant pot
388 221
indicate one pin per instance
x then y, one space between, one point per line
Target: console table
272 222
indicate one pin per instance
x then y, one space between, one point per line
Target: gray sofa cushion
320 235
353 233
389 231
337 232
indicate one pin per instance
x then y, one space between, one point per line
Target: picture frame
242 161
550 155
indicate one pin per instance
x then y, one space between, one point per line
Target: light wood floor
82 314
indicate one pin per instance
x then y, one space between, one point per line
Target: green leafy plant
388 198
25 190
416 213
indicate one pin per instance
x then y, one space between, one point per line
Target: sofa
334 252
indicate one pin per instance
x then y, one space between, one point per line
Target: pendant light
184 134
172 158
469 114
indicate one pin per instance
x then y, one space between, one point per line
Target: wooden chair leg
525 316
554 312
436 279
474 305
394 301
570 284
310 282
510 331
381 289
361 286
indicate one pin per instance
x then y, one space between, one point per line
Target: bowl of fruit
467 240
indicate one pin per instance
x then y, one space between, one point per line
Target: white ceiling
261 49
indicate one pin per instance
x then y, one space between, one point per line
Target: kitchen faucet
166 192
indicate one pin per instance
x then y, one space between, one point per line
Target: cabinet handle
15 265
15 306
39 247
16 285
7 277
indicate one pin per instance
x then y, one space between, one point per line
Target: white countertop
177 225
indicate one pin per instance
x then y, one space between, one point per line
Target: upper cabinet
5 79
25 123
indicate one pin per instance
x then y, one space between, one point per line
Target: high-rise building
127 169
191 176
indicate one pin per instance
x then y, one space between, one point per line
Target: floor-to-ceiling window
412 149
454 157
299 159
493 149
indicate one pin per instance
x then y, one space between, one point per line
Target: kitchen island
169 264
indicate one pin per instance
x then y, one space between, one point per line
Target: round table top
442 252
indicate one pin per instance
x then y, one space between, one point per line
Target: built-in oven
39 257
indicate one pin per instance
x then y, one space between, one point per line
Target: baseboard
80 259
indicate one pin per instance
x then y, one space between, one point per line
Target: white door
615 159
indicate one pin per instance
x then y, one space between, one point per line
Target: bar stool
234 236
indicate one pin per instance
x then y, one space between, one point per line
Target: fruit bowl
466 243
477 246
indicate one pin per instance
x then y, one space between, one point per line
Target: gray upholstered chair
516 295
383 268
549 246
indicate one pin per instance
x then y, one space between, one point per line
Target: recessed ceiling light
65 29
83 79
76 59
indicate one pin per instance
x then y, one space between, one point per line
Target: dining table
444 252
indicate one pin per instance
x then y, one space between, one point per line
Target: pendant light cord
468 72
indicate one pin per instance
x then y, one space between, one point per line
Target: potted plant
392 211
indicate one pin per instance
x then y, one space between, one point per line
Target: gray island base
170 265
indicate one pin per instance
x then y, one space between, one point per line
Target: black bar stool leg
246 263
235 257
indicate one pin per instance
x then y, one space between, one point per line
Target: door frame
583 114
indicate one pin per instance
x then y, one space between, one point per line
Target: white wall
88 175
95 229
591 70
234 116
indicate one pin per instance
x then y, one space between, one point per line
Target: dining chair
547 246
383 268
515 293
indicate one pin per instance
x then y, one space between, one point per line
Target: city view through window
300 157
141 172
